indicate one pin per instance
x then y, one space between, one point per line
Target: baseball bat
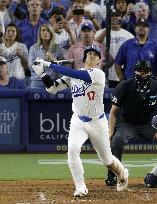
108 37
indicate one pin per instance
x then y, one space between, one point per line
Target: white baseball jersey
13 61
87 97
63 39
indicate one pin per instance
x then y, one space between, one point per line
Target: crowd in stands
63 29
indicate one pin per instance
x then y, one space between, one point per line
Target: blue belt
88 119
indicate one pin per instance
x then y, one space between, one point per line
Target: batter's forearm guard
47 81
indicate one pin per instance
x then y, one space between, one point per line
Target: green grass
26 166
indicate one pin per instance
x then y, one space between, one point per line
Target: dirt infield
61 192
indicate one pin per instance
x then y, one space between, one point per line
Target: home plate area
61 192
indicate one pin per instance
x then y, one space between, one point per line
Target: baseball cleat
150 180
123 183
80 192
111 182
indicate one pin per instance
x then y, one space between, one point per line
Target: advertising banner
10 121
49 122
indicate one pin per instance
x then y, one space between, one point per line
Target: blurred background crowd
63 29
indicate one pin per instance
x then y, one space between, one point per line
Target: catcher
151 178
88 120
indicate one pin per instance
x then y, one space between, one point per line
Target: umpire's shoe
150 180
81 191
111 182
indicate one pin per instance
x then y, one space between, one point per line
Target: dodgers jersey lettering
87 97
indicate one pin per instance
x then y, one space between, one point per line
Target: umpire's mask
142 75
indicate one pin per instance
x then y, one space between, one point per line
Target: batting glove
38 67
45 63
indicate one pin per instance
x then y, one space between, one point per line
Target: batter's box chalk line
39 202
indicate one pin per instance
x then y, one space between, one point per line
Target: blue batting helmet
92 48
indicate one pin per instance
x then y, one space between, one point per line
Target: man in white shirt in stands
118 37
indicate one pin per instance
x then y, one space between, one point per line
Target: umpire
150 179
134 100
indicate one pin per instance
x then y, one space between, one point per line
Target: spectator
135 100
78 16
18 8
121 6
29 26
45 48
6 16
136 49
16 53
7 82
63 34
64 4
153 10
140 10
125 8
47 8
102 4
118 37
152 22
94 9
76 51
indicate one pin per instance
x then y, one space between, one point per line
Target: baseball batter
88 120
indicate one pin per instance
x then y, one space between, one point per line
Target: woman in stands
15 53
47 49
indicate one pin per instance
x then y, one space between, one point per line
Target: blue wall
32 121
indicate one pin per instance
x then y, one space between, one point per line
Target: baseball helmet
154 122
143 65
92 48
150 180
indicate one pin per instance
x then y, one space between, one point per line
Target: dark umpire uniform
150 179
134 101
